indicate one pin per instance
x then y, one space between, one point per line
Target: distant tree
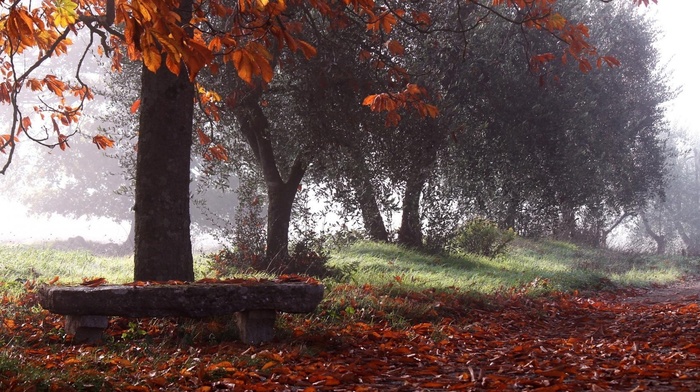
575 154
673 221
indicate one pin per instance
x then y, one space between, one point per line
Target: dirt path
679 292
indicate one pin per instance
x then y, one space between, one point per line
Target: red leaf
135 106
94 282
102 142
62 141
203 138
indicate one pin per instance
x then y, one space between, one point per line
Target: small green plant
133 332
482 237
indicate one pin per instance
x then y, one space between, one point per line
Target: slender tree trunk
660 239
508 221
163 249
367 200
567 223
371 216
280 192
604 233
410 233
692 247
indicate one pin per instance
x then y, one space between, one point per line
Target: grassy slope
547 265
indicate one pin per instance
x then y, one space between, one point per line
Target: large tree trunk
163 249
280 197
280 192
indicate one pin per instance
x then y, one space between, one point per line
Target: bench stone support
87 329
256 326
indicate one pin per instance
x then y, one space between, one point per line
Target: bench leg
86 329
256 326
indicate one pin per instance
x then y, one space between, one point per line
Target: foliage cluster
482 237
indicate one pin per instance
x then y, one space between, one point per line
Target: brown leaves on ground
557 343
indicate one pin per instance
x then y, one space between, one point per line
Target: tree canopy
176 40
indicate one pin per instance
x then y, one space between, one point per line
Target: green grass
22 263
548 265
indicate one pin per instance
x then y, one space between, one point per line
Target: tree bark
660 239
280 197
371 216
566 229
163 249
513 204
604 233
280 192
410 233
367 200
692 247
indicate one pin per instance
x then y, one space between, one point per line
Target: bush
308 256
482 237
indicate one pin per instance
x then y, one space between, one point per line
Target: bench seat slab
189 300
87 309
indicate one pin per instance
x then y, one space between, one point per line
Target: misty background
46 200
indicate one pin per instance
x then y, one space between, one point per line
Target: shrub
483 237
308 256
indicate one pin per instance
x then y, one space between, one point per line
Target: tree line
542 148
505 111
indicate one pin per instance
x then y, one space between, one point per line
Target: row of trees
502 146
540 147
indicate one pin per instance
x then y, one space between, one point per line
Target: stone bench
87 309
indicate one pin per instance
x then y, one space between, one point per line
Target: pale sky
679 19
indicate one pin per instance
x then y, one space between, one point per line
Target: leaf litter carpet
630 340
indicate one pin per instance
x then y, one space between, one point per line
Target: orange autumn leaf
243 64
62 140
9 323
307 49
93 282
204 139
395 48
55 85
135 106
26 122
8 139
102 142
218 152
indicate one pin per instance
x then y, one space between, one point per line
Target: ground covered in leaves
629 340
